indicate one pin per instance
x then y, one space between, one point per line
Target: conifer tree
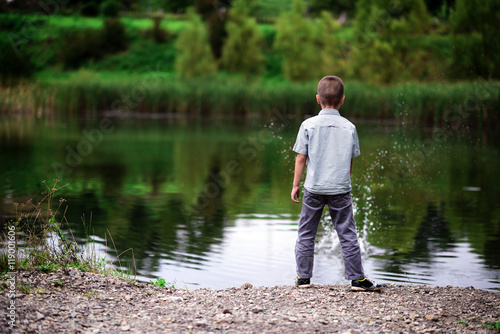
475 51
194 57
388 16
242 48
331 58
295 41
381 51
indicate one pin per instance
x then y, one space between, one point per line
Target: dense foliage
242 48
475 47
194 57
379 41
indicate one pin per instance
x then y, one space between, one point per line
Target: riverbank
71 301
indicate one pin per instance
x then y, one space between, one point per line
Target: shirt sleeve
302 143
355 147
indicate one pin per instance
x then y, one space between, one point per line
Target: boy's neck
329 107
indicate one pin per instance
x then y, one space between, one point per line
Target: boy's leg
312 208
340 207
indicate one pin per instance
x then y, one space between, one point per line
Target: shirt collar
333 112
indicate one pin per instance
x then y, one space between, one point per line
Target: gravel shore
71 301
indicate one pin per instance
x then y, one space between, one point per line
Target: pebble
94 303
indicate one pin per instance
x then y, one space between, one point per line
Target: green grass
80 22
57 283
24 287
493 325
60 22
162 283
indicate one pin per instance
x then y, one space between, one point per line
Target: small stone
39 316
201 324
246 286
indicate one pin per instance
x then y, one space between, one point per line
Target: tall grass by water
84 92
37 236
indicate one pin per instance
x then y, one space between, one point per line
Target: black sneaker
365 285
302 282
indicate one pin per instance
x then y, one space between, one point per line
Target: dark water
207 204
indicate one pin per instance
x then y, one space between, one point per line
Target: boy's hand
295 194
300 163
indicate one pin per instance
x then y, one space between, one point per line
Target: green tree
332 6
437 7
114 36
16 63
295 40
194 57
475 47
377 63
382 50
177 5
242 49
110 8
90 9
80 46
214 13
387 16
331 59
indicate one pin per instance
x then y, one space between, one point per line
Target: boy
327 142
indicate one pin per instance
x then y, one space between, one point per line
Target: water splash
328 242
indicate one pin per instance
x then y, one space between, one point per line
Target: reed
86 93
39 237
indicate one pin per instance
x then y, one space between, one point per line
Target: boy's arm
350 172
300 163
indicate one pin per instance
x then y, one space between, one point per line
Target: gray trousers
340 207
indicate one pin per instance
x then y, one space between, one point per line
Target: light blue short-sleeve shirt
330 141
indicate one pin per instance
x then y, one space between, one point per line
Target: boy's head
330 92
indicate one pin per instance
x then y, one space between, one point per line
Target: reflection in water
209 206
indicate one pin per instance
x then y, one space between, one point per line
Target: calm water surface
207 204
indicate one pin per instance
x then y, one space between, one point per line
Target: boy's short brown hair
330 91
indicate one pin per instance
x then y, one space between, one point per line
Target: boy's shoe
365 285
302 282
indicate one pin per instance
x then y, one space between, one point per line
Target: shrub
80 46
475 47
242 50
377 62
295 41
114 36
89 9
384 16
214 13
381 50
194 57
110 8
331 60
16 64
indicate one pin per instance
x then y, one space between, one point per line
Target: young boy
327 142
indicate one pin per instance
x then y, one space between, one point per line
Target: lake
207 203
